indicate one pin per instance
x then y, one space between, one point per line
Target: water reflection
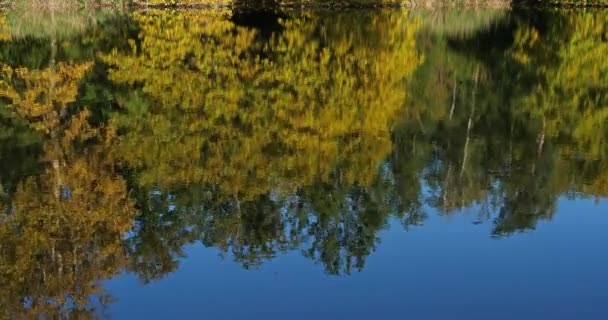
136 135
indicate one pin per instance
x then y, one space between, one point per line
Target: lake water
304 164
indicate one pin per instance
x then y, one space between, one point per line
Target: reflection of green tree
568 105
458 22
343 228
334 224
20 148
510 148
465 137
309 139
571 95
163 230
256 119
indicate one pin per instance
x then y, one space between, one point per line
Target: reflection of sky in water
450 268
482 211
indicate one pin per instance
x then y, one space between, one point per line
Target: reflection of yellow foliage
63 234
221 111
525 38
42 96
65 227
4 28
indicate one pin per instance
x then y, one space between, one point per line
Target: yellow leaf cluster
252 116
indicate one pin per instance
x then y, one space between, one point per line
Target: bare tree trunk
453 98
511 149
541 138
541 143
446 186
469 125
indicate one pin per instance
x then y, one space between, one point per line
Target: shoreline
414 4
338 6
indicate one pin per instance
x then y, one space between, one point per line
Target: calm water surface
304 164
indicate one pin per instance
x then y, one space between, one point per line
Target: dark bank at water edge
269 4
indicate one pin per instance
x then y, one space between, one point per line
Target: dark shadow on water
266 20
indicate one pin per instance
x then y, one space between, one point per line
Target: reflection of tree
571 95
20 147
42 96
568 106
343 227
56 246
332 223
511 148
270 121
62 229
308 138
261 119
272 149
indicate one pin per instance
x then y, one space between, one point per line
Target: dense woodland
126 136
